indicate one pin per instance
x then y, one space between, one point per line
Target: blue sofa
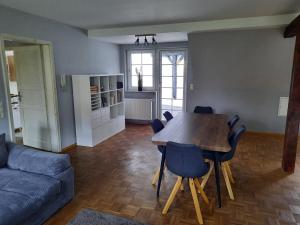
33 185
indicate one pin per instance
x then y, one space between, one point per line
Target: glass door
172 82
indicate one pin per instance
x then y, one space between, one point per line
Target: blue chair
168 115
157 126
186 161
204 110
224 159
232 122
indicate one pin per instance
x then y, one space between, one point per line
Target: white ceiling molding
202 26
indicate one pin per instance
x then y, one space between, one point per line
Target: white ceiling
115 13
88 14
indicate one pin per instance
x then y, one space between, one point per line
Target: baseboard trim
265 133
68 148
132 121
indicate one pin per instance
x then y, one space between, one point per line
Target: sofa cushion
36 161
3 151
15 208
39 188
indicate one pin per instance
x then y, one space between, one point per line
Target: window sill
145 91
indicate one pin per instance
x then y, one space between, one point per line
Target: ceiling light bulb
146 43
137 42
154 42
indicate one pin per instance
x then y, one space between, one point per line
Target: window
172 81
140 61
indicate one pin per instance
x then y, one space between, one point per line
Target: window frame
129 72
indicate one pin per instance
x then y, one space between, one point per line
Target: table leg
217 175
161 171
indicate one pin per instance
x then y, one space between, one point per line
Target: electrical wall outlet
1 110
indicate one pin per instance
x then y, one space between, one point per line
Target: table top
208 131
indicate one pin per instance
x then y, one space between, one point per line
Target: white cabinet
99 107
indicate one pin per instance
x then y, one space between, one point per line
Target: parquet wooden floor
115 177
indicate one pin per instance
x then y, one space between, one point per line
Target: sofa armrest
36 161
67 181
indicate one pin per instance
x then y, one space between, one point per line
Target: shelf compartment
105 102
113 97
119 95
121 110
104 84
114 111
112 83
94 85
120 83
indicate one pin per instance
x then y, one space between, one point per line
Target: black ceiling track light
146 42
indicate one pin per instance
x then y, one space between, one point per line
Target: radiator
138 109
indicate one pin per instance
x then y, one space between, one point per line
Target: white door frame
50 85
185 50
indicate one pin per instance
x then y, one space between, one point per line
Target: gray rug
92 217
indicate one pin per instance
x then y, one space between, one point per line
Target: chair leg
200 191
229 172
227 181
172 195
182 187
206 176
155 177
196 202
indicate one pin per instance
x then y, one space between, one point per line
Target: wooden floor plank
115 177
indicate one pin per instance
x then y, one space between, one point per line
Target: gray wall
242 72
74 53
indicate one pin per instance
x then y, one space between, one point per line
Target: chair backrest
233 141
168 115
157 125
185 160
204 109
231 123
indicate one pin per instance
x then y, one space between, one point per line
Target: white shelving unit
99 107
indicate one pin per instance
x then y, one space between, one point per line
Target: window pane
166 102
180 82
136 58
134 81
147 70
147 58
165 60
147 81
179 93
166 93
166 82
135 68
180 62
180 70
177 104
166 70
166 108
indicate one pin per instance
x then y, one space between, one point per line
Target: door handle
20 96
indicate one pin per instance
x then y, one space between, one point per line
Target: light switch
283 106
63 81
191 87
1 110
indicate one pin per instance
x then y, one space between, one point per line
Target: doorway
172 81
14 96
31 94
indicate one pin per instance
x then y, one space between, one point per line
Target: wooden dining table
207 131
